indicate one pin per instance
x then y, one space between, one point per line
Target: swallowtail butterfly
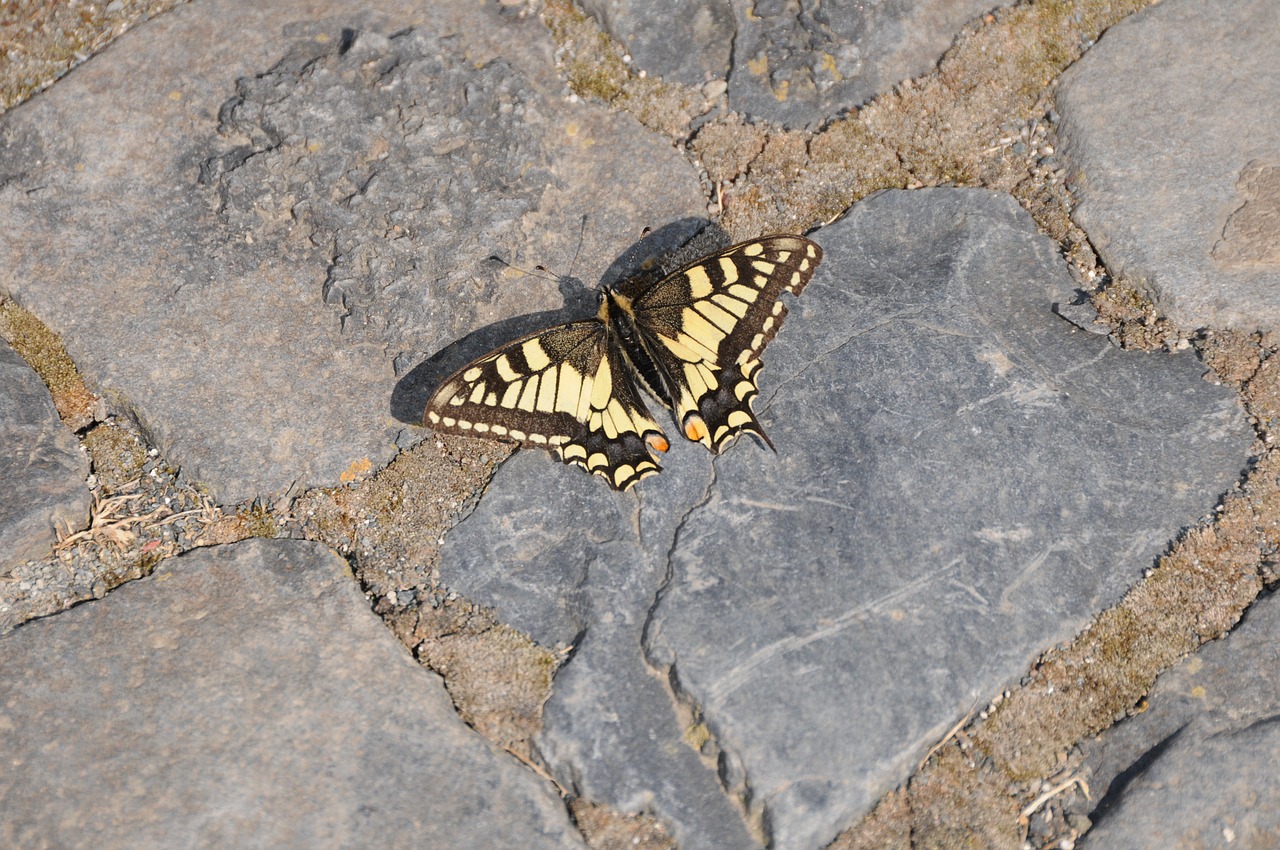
692 339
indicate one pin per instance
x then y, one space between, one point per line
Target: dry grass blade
111 522
1034 806
947 737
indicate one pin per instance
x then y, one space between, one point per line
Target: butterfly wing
706 325
564 389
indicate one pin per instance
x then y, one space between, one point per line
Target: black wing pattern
693 338
566 389
706 325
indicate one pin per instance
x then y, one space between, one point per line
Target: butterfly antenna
582 235
538 271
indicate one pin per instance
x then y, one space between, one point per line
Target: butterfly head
611 302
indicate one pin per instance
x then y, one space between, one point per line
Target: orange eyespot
695 429
657 442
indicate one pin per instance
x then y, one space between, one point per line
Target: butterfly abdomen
617 311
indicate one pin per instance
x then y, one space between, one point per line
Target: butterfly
692 339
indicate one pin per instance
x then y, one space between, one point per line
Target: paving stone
963 478
558 555
794 64
245 696
42 468
801 64
1197 768
301 200
695 51
1170 122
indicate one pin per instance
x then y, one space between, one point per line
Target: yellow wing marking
512 394
736 306
722 319
503 365
528 398
569 391
547 392
729 269
602 389
699 282
700 329
688 349
535 356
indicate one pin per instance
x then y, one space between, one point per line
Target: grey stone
301 201
1198 767
677 40
573 563
794 64
245 696
1170 122
963 478
42 468
800 64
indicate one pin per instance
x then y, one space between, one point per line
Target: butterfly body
692 339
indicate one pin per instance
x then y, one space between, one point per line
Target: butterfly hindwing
619 435
707 323
564 389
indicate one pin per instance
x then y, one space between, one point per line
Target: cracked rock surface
1008 475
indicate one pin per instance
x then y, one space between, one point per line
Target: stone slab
1170 122
248 222
795 64
963 478
803 64
245 696
42 467
1197 768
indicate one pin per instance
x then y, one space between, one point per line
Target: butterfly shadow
412 392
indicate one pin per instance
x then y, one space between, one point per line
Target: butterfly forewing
564 389
707 324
